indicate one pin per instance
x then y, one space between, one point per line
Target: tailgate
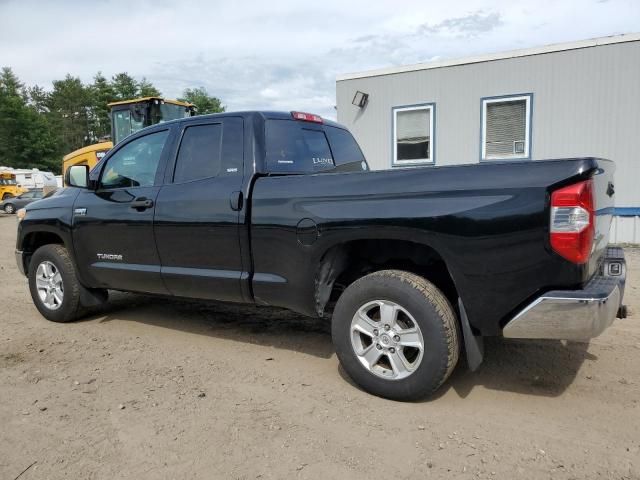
604 198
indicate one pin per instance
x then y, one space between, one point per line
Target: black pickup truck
412 265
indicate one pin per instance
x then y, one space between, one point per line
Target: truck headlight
20 214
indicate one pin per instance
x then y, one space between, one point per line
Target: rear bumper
575 314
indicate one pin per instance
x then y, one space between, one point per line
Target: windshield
8 181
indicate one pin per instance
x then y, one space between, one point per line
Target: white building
557 101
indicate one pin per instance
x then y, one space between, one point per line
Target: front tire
396 335
9 208
53 284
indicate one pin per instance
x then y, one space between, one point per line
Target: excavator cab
129 116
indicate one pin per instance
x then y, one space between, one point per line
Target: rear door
198 211
113 225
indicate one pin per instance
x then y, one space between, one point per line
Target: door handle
141 203
236 201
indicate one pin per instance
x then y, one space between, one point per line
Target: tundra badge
109 256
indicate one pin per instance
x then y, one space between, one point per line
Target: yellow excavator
128 117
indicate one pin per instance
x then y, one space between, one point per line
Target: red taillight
307 117
572 221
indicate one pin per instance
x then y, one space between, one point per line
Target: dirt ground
152 388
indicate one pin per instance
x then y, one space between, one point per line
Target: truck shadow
533 367
265 326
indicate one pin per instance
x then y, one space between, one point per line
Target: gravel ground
155 388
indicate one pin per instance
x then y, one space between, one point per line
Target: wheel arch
32 241
344 263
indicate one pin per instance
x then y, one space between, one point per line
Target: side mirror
77 176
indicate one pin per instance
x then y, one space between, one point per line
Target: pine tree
27 140
102 93
124 86
70 107
204 102
37 99
147 89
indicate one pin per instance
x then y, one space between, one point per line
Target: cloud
467 26
282 54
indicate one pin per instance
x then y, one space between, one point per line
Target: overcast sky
279 54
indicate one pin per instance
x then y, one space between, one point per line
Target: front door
113 225
199 209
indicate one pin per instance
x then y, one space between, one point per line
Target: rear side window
346 153
200 153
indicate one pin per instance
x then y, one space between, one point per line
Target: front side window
136 163
200 153
27 195
506 127
413 135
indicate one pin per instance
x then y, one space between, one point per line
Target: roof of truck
265 114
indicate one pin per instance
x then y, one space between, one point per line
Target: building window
506 127
413 137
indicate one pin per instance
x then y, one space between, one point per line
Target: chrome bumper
575 314
20 261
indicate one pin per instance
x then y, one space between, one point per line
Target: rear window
300 147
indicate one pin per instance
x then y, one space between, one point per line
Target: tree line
38 127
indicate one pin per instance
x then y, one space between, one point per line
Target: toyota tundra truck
413 267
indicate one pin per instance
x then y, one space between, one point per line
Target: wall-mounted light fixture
360 99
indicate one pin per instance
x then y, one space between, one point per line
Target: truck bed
489 222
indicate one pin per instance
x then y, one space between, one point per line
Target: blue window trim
530 120
430 163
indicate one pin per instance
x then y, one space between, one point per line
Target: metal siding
625 230
585 103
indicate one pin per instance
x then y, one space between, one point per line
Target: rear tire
54 287
9 208
396 335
